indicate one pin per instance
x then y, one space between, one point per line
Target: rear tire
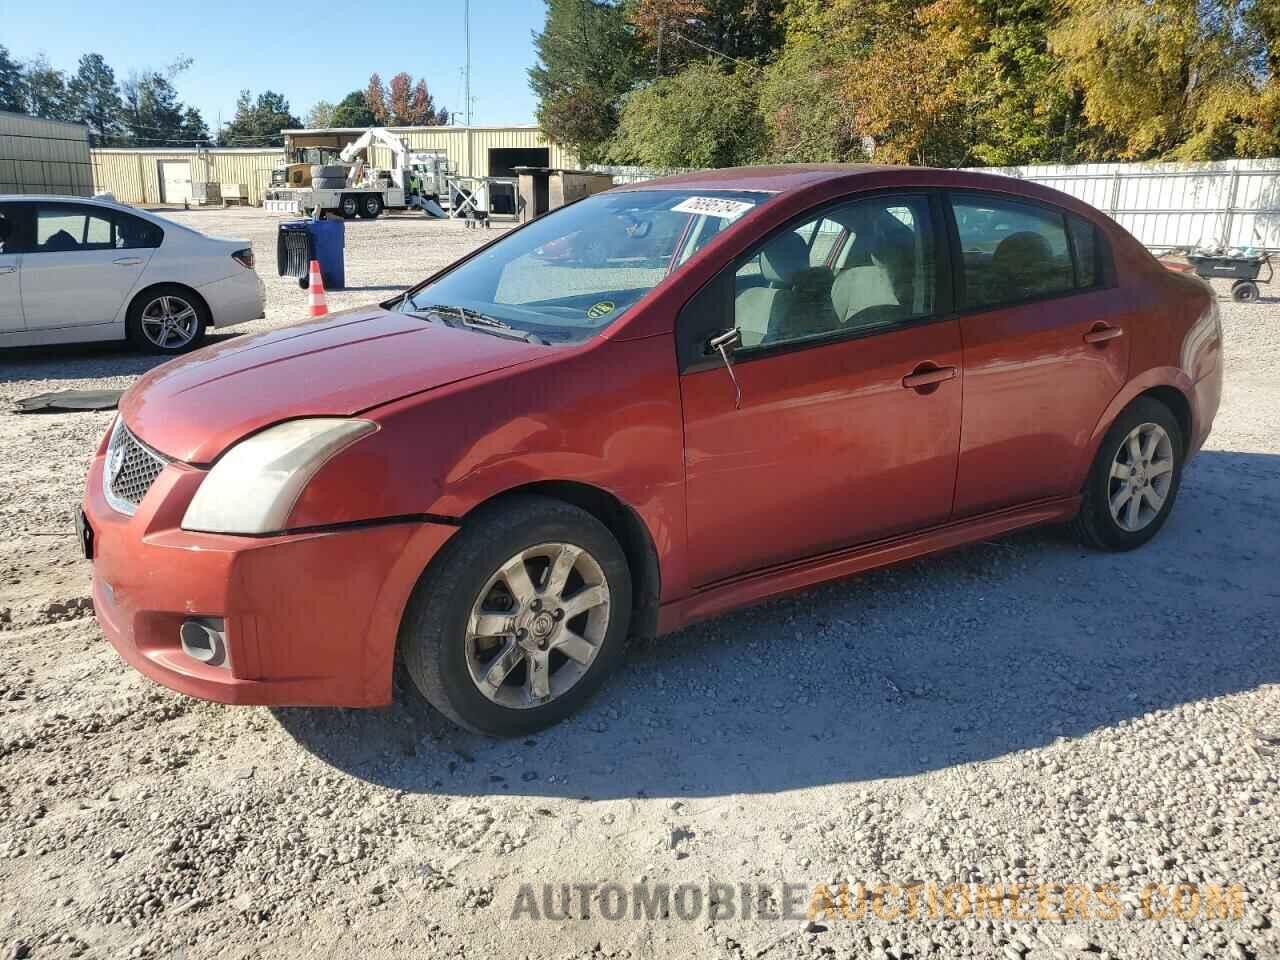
370 206
558 637
167 320
1122 474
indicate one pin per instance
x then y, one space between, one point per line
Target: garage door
175 181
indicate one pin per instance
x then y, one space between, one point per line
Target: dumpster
298 242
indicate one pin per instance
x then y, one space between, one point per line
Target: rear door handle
127 261
1102 334
927 375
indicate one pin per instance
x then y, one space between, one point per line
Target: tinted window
1084 237
861 265
134 233
1012 251
8 232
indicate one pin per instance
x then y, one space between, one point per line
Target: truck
351 187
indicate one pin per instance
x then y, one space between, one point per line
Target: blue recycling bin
298 242
328 243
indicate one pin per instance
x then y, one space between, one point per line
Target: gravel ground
1021 712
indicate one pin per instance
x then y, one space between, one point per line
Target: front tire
349 207
1245 291
167 320
520 619
1134 480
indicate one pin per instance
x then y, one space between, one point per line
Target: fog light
203 640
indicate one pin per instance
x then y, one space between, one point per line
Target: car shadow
82 361
985 652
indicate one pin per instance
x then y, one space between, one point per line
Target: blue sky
322 56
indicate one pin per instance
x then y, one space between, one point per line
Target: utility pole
466 26
658 73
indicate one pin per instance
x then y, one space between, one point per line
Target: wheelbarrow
1243 270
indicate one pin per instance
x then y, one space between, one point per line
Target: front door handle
927 375
1102 333
127 261
4 270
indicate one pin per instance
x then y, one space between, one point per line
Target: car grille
130 469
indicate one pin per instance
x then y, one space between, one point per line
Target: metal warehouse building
44 156
149 176
154 176
472 151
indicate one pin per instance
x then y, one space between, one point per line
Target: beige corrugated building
150 176
44 156
472 151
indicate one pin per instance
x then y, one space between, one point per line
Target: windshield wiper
474 319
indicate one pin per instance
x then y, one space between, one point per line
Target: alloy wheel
537 625
170 322
1141 477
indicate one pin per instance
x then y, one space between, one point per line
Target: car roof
786 178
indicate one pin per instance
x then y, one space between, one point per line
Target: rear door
11 232
1045 346
74 270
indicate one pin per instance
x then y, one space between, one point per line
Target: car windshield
570 274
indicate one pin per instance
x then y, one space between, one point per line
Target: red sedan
496 477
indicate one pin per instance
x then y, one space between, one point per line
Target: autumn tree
375 98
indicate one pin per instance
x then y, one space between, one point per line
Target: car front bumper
309 618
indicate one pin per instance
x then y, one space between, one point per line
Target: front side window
856 267
1012 251
570 274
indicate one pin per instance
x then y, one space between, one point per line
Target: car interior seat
1023 265
760 311
6 231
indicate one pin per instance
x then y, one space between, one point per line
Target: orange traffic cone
315 292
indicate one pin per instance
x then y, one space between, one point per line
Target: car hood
194 407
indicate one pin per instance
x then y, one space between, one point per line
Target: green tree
808 115
353 111
258 123
701 117
12 84
320 115
46 91
588 59
95 96
153 114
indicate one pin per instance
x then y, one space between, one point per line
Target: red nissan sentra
654 405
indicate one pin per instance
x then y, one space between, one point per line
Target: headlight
254 486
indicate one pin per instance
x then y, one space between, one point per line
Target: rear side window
1088 250
134 233
1011 251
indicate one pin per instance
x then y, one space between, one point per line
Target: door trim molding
775 581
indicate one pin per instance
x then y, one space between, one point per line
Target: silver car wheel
1141 477
170 322
537 625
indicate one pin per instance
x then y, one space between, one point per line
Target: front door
850 384
10 267
1045 349
73 273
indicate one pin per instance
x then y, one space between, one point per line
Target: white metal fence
1232 202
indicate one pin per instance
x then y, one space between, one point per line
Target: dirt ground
1092 727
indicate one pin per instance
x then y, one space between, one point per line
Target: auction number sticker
720 207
